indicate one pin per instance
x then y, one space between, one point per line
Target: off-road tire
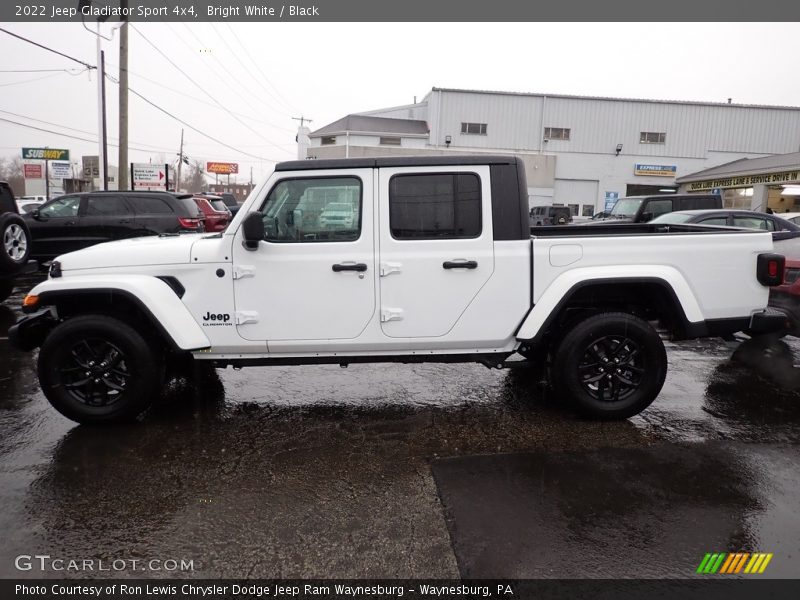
95 369
611 366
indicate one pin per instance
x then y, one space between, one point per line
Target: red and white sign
149 176
221 168
32 171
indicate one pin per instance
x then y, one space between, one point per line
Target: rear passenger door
435 247
105 218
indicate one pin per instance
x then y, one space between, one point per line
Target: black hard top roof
396 161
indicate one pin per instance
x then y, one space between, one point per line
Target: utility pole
103 140
302 120
101 111
180 162
123 103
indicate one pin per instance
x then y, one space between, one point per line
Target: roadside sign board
32 171
45 154
222 168
61 170
149 176
91 166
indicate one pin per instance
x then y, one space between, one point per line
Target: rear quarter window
150 205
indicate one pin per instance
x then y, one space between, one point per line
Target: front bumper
29 332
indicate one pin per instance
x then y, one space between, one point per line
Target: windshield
673 217
626 207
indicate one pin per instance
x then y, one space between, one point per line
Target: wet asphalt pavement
423 471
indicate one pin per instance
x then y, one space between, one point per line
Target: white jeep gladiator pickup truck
436 264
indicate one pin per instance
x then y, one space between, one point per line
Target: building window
390 141
556 133
328 140
473 128
652 137
435 206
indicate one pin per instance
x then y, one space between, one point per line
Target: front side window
657 208
63 207
313 210
435 206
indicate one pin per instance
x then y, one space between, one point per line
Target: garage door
577 193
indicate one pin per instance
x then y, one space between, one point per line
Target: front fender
559 291
153 296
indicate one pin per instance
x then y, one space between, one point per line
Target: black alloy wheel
610 365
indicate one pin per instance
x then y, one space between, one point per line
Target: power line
192 127
286 103
70 71
222 106
184 95
246 87
24 39
24 81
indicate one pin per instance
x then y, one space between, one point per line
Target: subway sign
745 181
45 154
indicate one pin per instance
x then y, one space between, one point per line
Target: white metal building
578 151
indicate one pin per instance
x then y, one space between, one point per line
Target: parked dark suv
641 209
550 215
75 221
15 244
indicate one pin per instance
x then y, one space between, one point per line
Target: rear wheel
16 243
611 365
97 369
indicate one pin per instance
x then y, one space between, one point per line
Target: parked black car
229 200
781 228
75 221
16 246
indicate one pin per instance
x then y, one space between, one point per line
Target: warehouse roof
363 123
747 166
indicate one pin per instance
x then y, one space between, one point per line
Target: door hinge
241 271
387 268
246 316
391 314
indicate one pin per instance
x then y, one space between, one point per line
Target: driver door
55 228
314 276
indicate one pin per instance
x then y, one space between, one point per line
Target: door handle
460 264
360 267
125 221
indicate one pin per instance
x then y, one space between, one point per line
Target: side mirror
253 231
36 214
648 216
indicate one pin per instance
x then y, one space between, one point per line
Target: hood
134 252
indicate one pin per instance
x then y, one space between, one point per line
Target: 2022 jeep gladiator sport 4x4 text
437 264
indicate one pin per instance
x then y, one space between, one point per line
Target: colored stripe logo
728 563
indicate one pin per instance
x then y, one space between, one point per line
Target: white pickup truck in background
433 261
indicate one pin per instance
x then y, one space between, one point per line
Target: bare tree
192 178
11 171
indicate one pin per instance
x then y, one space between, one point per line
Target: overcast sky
324 71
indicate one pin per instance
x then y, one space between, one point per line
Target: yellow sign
745 181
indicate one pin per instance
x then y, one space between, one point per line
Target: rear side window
218 205
435 206
715 221
150 205
106 206
701 203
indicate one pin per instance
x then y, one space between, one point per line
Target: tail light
190 223
769 269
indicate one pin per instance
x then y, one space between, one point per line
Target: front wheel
611 365
16 243
97 369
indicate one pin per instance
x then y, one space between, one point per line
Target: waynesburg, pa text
259 591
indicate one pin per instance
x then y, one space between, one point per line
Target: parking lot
393 471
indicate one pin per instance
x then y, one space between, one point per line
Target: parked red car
214 210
